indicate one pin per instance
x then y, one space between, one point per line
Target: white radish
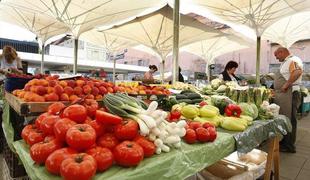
158 142
159 120
181 124
156 114
164 114
169 129
158 150
144 130
165 148
175 131
149 121
172 139
173 125
152 137
152 107
163 135
156 131
182 132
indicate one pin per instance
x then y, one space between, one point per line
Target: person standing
10 62
287 93
229 72
148 76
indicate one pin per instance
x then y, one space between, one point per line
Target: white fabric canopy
43 26
290 29
81 15
209 49
110 42
155 31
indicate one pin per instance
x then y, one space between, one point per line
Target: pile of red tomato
79 140
201 132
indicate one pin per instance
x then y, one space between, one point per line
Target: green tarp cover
7 127
260 131
177 164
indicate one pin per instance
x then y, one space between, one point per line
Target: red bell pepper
233 110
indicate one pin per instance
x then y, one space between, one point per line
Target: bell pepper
233 110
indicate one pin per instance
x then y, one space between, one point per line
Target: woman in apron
287 94
9 61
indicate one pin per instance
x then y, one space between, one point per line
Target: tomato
91 107
128 153
54 160
40 118
40 151
103 157
127 130
175 114
149 147
207 125
47 124
61 127
99 127
77 113
194 125
35 137
107 140
55 108
190 136
212 133
78 166
27 130
107 118
203 103
202 134
81 137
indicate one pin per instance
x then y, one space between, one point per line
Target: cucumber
187 101
193 96
194 101
181 96
186 91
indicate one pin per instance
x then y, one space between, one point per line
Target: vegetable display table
177 164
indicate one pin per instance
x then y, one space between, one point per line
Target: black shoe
287 150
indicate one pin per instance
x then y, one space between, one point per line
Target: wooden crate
27 108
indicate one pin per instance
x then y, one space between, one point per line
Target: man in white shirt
287 90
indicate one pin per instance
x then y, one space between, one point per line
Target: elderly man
287 91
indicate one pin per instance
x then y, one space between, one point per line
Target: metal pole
42 58
176 25
162 70
76 47
258 42
114 66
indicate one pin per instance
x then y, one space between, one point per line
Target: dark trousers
289 140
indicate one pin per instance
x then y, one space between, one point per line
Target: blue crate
12 83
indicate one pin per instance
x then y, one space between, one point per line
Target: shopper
10 62
229 72
148 76
181 78
287 93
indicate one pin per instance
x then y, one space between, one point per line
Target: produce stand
305 105
177 164
27 108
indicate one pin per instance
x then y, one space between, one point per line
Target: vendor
10 62
229 72
148 76
287 93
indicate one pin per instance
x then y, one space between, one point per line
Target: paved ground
292 166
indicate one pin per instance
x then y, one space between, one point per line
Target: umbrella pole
162 70
76 47
176 25
258 46
42 58
114 67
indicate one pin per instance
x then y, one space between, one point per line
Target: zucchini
193 96
187 101
186 91
194 101
181 96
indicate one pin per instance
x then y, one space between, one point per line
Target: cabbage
215 83
249 109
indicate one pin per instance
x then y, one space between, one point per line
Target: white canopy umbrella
81 16
155 31
209 49
256 15
113 44
43 26
290 29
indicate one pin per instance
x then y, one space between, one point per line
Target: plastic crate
12 83
13 164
